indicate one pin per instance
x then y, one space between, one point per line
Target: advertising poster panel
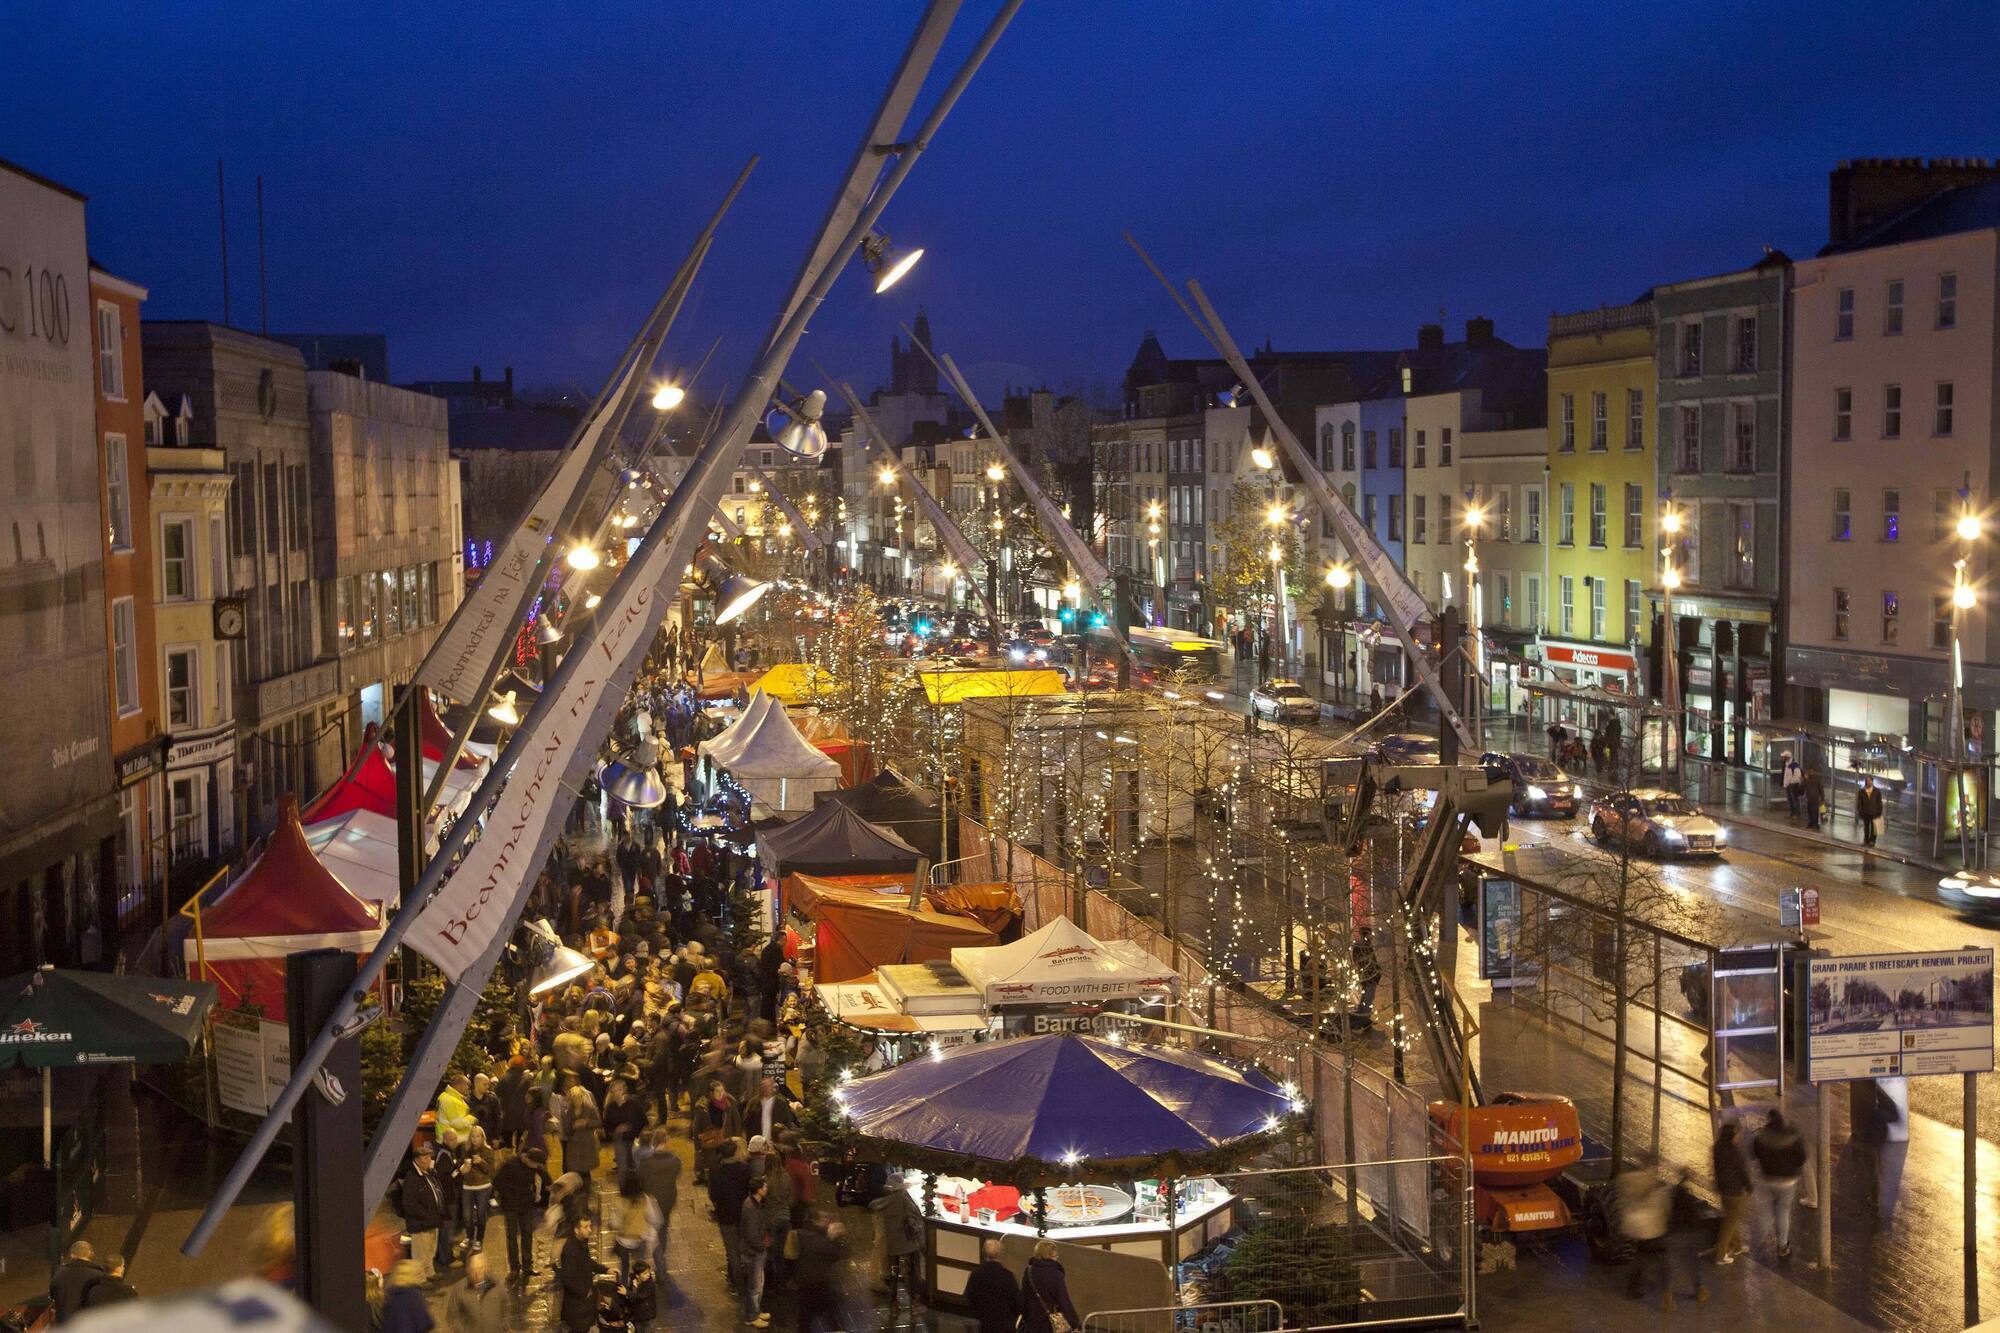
1896 1014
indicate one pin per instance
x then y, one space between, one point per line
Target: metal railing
1214 1317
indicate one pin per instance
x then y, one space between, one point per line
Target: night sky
512 184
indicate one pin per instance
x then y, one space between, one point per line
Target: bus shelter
1702 983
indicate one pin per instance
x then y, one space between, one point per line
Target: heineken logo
28 1031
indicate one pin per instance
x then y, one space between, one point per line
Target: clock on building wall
229 617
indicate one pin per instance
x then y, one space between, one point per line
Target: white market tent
359 847
770 760
1061 964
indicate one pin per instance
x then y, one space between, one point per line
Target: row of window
368 607
1344 458
1743 358
1740 443
1634 514
1945 507
1892 617
180 674
1944 308
1600 421
1943 411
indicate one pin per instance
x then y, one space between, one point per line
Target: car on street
1661 823
1540 787
1973 894
1283 701
1412 747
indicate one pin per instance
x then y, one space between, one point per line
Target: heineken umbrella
51 1018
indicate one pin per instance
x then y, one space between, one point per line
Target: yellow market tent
955 687
792 682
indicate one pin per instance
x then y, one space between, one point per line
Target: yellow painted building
1602 493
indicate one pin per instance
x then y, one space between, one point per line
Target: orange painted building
138 743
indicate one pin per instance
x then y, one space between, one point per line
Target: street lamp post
1153 552
1340 578
1475 648
1670 657
1964 596
1267 463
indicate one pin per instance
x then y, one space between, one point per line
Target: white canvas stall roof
772 762
863 1003
722 747
1060 963
360 849
713 663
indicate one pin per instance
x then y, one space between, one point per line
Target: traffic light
1097 620
1067 615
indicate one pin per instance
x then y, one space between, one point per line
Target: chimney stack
1478 331
1430 337
475 374
1865 192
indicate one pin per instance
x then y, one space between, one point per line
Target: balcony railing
1604 319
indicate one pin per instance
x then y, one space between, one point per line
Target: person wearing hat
403 1308
421 1202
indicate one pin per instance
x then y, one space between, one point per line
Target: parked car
1540 787
1973 894
1284 701
1662 823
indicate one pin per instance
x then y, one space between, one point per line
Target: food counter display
1124 1219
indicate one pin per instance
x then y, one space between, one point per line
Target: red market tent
370 784
287 901
857 929
437 736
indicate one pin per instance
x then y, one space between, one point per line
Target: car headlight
1673 835
1576 789
1537 793
1721 835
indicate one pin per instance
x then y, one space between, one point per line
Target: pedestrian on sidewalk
639 1221
993 1292
902 1227
576 1272
75 1275
1734 1187
403 1307
754 1238
478 1304
1868 808
728 1187
521 1189
1645 1212
1793 778
822 1257
580 1123
1045 1292
1872 1113
420 1199
1815 797
1781 1156
659 1171
476 1169
1687 1235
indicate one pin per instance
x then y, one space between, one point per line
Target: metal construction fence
1208 1317
1408 1229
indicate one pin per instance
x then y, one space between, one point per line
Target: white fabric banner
479 899
458 659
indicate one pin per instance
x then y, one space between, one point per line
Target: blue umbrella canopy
1066 1099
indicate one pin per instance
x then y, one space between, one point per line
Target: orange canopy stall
859 928
995 906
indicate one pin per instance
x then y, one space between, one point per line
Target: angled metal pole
810 539
676 529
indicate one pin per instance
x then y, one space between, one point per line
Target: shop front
1590 664
1723 652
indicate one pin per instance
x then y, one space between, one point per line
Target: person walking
478 1304
1687 1234
902 1228
1045 1292
823 1253
403 1307
754 1241
715 1122
1814 796
1781 1156
521 1189
421 1202
1872 1112
728 1187
993 1292
580 1123
1645 1212
624 1118
576 1274
1793 778
476 1168
1868 808
637 1237
1734 1187
77 1273
659 1171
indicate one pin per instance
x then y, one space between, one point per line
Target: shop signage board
1500 934
1897 1014
1798 908
251 1064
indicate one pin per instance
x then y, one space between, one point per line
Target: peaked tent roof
1061 961
368 784
769 746
833 840
1063 1098
858 930
724 744
888 802
437 736
287 901
360 848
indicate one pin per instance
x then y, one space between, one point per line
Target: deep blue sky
513 183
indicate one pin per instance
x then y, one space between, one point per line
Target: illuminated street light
1969 526
1073 590
668 397
995 472
1263 458
949 570
1275 514
887 476
1963 597
1339 576
583 556
889 264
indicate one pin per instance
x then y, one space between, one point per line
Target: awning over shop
863 1003
1061 963
955 687
859 930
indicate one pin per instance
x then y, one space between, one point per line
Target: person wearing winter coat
659 1172
753 1230
421 1202
728 1187
1045 1292
576 1274
642 1296
993 1292
580 1123
521 1189
475 1185
901 1223
1793 778
823 1252
1868 809
77 1273
1733 1185
478 1304
1780 1151
1815 796
403 1308
1645 1212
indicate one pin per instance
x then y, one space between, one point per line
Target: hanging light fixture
504 710
731 592
562 964
795 426
584 556
887 261
634 777
668 397
547 632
